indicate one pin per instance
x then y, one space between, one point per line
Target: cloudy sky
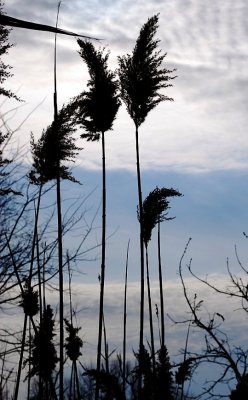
196 144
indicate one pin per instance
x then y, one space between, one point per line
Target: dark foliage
241 391
44 357
155 208
4 48
55 146
30 300
4 74
184 372
144 369
5 168
3 162
108 383
164 380
73 341
97 108
157 385
140 74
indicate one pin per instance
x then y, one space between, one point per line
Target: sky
196 144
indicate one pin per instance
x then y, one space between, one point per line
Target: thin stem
21 357
40 303
34 235
184 357
142 266
125 324
44 279
150 311
77 380
60 247
70 278
161 291
61 294
105 344
102 277
39 277
29 363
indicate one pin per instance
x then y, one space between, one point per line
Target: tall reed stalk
125 324
59 221
96 111
141 78
155 210
150 312
161 295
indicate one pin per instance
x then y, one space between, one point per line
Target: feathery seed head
56 145
155 210
97 107
140 74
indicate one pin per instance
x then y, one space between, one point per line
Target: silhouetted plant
43 358
125 323
108 383
4 48
4 74
144 370
218 349
73 343
96 112
4 162
30 300
155 210
184 371
97 108
55 146
141 79
164 380
241 391
140 74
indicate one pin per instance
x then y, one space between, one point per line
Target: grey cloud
210 32
86 296
207 44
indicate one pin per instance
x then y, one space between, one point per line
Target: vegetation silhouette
141 79
96 111
151 375
4 48
154 211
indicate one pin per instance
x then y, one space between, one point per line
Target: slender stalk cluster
96 110
141 79
44 356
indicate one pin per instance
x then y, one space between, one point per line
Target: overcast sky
204 129
196 144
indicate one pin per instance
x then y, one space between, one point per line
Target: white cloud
203 130
85 299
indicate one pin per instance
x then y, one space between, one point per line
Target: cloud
85 298
203 130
